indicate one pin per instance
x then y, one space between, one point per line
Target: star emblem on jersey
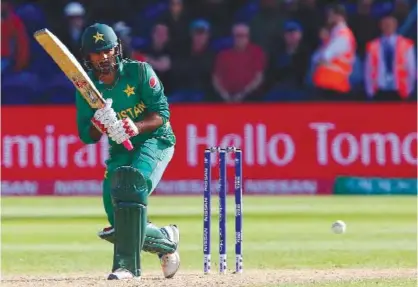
98 37
129 90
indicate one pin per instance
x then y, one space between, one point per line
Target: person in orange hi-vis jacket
390 69
15 50
331 76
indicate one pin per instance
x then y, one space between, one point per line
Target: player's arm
154 99
87 132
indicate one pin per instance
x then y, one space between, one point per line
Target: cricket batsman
137 110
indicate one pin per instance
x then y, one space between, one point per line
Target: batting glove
105 117
122 130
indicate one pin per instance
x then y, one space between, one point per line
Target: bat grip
128 145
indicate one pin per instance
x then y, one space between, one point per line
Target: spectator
290 7
288 67
335 62
365 27
309 16
71 30
158 54
323 35
109 11
50 8
267 25
216 12
177 22
390 69
193 72
124 34
401 10
15 51
238 72
409 27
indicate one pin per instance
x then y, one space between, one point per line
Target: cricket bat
73 70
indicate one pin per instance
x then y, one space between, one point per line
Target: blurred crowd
224 50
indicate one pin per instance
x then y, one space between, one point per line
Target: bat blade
73 70
70 66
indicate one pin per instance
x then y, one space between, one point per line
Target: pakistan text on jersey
133 112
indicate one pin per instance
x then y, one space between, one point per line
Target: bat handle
128 145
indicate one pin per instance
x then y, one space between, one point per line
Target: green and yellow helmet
99 37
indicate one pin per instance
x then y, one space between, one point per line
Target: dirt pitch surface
193 279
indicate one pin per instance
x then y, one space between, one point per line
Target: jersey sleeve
153 92
84 115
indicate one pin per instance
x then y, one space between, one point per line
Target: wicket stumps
222 208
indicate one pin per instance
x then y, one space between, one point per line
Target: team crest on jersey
153 82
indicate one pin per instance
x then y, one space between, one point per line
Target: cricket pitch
287 242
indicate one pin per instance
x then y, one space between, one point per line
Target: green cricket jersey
137 92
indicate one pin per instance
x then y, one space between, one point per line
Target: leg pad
129 197
129 185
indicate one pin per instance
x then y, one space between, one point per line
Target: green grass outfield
41 235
